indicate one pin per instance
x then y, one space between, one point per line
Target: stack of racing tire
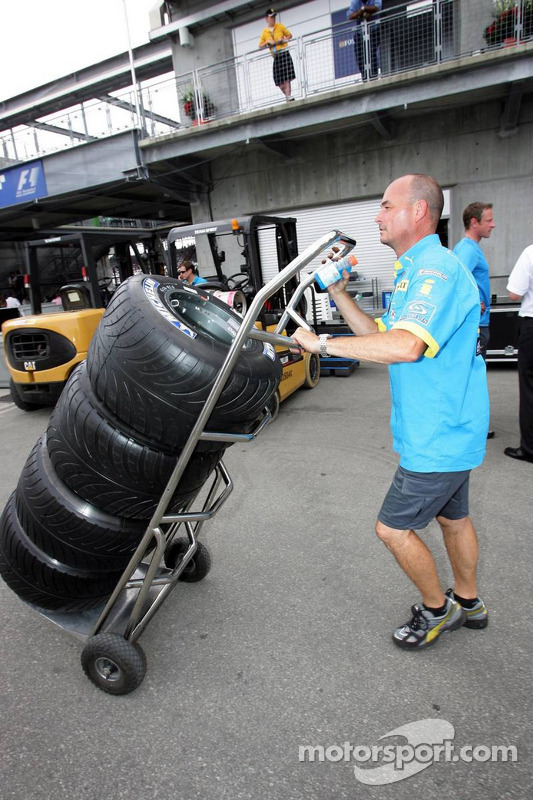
93 480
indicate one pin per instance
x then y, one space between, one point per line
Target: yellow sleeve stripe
432 349
381 325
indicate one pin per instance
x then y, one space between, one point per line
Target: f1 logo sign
28 179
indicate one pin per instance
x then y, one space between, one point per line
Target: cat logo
29 366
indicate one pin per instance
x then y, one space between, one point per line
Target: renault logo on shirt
420 311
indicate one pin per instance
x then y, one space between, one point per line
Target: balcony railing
424 33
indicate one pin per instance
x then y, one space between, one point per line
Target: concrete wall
461 148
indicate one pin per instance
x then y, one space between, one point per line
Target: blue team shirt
440 403
197 280
472 257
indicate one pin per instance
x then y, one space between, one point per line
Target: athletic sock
437 612
468 604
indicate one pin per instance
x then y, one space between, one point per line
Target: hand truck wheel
198 566
114 664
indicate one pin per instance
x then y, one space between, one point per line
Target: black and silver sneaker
477 617
424 629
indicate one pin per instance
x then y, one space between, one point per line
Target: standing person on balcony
478 221
520 287
440 407
360 12
276 37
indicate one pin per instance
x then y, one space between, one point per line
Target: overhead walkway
157 163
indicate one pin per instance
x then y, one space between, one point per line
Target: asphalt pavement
286 644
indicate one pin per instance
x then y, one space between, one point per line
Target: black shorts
415 498
283 68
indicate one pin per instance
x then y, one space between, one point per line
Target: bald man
429 338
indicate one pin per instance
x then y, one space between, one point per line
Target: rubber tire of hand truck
107 468
312 371
153 365
113 664
17 399
41 580
67 528
198 566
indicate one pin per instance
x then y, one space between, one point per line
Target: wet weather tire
68 528
41 580
156 354
106 467
114 664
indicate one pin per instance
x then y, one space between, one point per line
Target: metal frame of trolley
111 656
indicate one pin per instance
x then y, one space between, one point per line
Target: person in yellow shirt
276 37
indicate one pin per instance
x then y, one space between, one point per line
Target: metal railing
424 33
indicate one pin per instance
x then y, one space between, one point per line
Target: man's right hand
340 286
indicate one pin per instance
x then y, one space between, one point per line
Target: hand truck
111 657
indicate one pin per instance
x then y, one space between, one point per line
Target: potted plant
503 27
196 104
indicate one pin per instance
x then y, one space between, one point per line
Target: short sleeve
431 310
522 273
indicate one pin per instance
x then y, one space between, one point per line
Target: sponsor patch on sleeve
435 272
420 311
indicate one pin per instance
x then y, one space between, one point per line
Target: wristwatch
323 342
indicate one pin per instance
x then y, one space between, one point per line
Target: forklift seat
75 297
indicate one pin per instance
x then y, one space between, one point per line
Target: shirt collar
405 261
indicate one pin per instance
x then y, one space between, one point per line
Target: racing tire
312 371
107 468
66 527
155 356
41 580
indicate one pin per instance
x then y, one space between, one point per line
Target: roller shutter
356 219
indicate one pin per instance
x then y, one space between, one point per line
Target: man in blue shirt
361 12
429 338
478 220
187 273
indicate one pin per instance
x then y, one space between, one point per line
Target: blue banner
22 184
343 46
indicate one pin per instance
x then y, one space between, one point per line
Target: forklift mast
87 248
248 228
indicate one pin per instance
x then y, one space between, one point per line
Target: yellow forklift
62 280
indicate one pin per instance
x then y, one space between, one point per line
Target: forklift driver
187 273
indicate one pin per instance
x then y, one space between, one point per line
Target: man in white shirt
520 287
11 300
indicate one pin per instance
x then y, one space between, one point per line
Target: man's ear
421 209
